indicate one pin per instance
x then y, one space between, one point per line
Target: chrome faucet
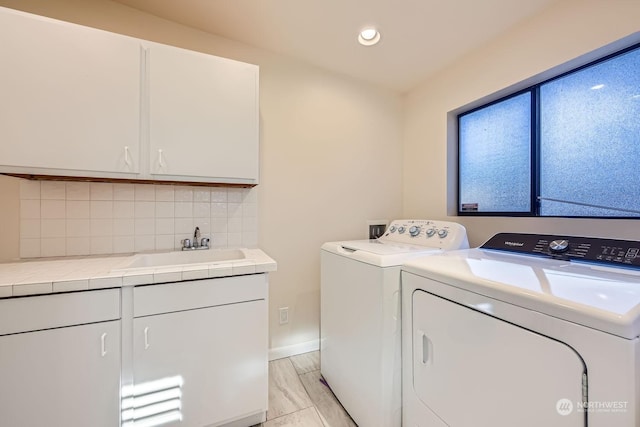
196 243
196 237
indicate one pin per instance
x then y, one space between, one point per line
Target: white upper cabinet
70 99
203 117
82 102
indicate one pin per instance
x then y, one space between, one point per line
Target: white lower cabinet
188 354
203 357
67 376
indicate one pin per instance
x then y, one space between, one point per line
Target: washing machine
360 315
528 330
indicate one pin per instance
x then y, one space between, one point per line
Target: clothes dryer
528 330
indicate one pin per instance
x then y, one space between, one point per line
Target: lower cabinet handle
146 338
103 346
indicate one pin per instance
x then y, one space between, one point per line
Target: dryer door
472 369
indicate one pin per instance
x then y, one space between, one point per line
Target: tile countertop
46 276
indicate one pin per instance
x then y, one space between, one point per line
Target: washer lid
376 252
603 298
382 248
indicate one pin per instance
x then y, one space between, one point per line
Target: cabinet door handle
103 345
127 157
160 158
146 338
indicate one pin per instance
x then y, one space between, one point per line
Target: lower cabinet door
204 366
61 377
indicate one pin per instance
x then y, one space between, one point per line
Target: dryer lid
603 298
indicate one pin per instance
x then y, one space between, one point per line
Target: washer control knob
401 229
559 246
443 233
414 231
431 232
392 229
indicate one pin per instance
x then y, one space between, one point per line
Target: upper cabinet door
70 98
203 117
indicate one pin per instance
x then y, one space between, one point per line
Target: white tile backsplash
183 209
53 209
123 209
52 190
102 209
78 209
145 227
53 228
164 193
219 195
52 247
30 228
78 227
124 192
144 209
78 191
29 190
101 191
144 192
123 227
59 218
30 209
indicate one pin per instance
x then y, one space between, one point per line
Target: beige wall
330 155
9 218
567 30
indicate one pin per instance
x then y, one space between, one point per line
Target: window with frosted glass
590 140
568 146
495 157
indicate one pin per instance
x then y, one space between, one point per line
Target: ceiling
419 37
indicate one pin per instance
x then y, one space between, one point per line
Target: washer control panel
569 248
435 234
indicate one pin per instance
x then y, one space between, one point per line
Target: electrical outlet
377 227
284 315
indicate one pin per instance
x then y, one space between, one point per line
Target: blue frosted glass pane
495 156
590 140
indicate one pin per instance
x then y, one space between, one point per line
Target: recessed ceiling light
369 37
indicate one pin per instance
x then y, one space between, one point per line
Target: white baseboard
292 350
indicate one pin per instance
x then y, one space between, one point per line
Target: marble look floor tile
286 392
306 362
303 418
331 412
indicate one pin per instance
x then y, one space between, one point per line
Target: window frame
534 90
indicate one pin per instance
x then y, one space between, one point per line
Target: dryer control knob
414 231
431 232
443 233
392 229
559 246
401 229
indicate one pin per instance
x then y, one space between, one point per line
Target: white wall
330 155
561 33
